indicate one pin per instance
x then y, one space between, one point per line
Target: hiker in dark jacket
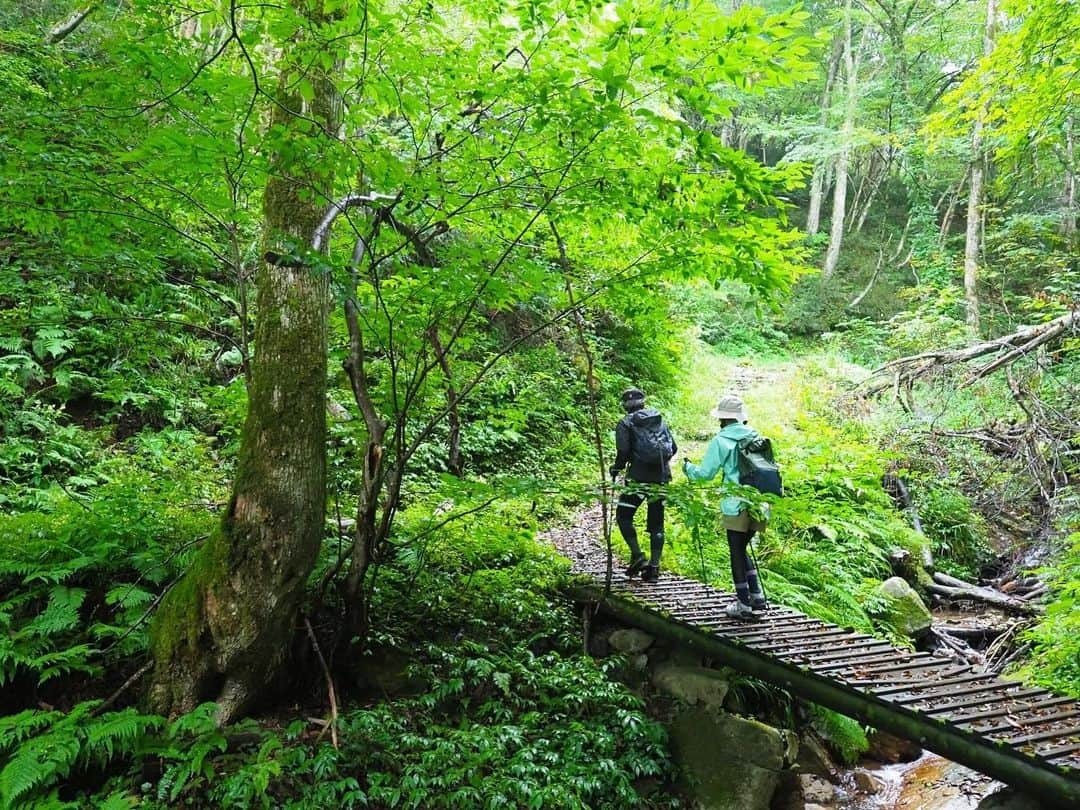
722 457
644 442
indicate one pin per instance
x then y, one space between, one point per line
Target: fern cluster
77 584
41 749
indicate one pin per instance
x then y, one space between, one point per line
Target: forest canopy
314 313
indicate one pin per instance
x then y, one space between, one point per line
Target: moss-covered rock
729 762
901 608
910 567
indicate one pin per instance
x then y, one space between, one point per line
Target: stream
928 783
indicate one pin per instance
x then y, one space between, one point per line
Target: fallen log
953 588
903 371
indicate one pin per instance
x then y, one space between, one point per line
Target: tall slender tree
818 184
977 170
843 160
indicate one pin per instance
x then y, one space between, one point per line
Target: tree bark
972 241
954 588
836 233
61 31
223 631
1068 225
817 181
1008 349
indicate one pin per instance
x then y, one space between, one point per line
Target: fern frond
38 763
61 662
60 614
119 801
117 732
16 728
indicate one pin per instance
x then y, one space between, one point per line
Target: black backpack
652 445
757 467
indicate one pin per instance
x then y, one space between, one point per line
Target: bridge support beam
1044 783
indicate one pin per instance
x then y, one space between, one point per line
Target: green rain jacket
722 456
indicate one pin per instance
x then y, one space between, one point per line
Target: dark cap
633 399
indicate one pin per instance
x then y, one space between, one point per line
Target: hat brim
740 415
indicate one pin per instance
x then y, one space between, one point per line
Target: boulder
890 749
693 685
814 757
902 609
816 790
682 656
630 641
739 739
867 783
800 791
728 762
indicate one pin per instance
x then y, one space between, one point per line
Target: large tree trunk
975 194
222 633
836 233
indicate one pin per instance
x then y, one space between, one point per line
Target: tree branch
61 31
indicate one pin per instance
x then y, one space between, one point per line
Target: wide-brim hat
730 407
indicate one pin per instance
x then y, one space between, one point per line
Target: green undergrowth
846 737
1055 658
484 698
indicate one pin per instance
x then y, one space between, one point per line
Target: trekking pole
760 573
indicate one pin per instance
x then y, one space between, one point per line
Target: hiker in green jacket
721 457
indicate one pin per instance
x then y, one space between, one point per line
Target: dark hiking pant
654 524
743 573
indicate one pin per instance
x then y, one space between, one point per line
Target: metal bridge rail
1024 736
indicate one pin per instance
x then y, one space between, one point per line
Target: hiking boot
651 574
757 601
636 566
739 610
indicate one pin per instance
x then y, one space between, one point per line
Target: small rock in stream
816 790
867 783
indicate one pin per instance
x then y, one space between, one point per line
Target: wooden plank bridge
1024 736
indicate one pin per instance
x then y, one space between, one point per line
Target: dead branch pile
1042 444
903 372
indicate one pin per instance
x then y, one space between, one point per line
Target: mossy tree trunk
222 633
